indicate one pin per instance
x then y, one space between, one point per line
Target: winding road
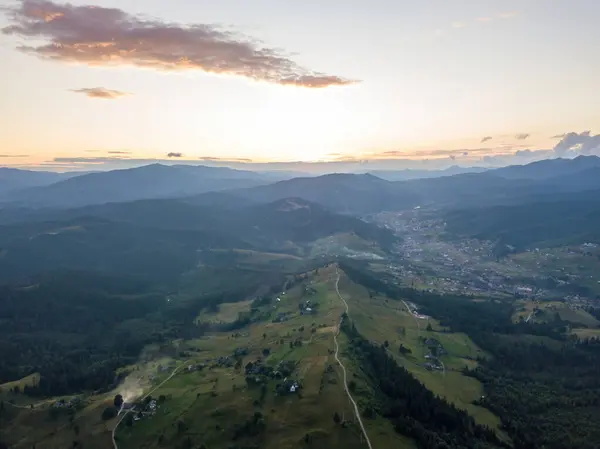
337 348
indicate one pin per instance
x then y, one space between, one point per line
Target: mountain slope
570 220
405 175
160 238
341 192
150 181
548 168
12 179
99 245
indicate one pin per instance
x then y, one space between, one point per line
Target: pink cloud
98 36
101 92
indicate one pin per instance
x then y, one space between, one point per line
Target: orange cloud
101 92
99 36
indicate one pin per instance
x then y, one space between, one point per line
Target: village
426 260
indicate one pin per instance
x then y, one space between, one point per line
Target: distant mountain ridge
548 168
345 193
12 179
149 181
408 174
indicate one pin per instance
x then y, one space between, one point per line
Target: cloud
174 155
99 36
484 19
520 157
522 136
486 138
101 92
520 153
458 25
503 149
13 155
573 144
219 159
558 136
119 152
91 160
508 15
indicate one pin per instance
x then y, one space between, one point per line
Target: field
215 401
228 312
584 334
542 311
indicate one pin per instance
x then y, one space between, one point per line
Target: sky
400 84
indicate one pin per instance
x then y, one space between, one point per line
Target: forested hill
573 219
160 239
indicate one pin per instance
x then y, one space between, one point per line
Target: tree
129 420
352 385
109 413
181 427
161 399
118 401
429 328
266 352
336 418
386 344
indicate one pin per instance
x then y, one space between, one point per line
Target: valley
278 315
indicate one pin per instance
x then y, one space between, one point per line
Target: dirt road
337 348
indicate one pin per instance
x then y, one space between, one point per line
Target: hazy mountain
509 185
405 175
15 179
355 194
342 192
298 220
150 181
548 168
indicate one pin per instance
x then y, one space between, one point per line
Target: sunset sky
473 82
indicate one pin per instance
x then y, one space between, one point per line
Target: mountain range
150 181
255 210
343 192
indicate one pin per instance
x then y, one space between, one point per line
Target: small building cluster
288 386
307 308
71 403
435 350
